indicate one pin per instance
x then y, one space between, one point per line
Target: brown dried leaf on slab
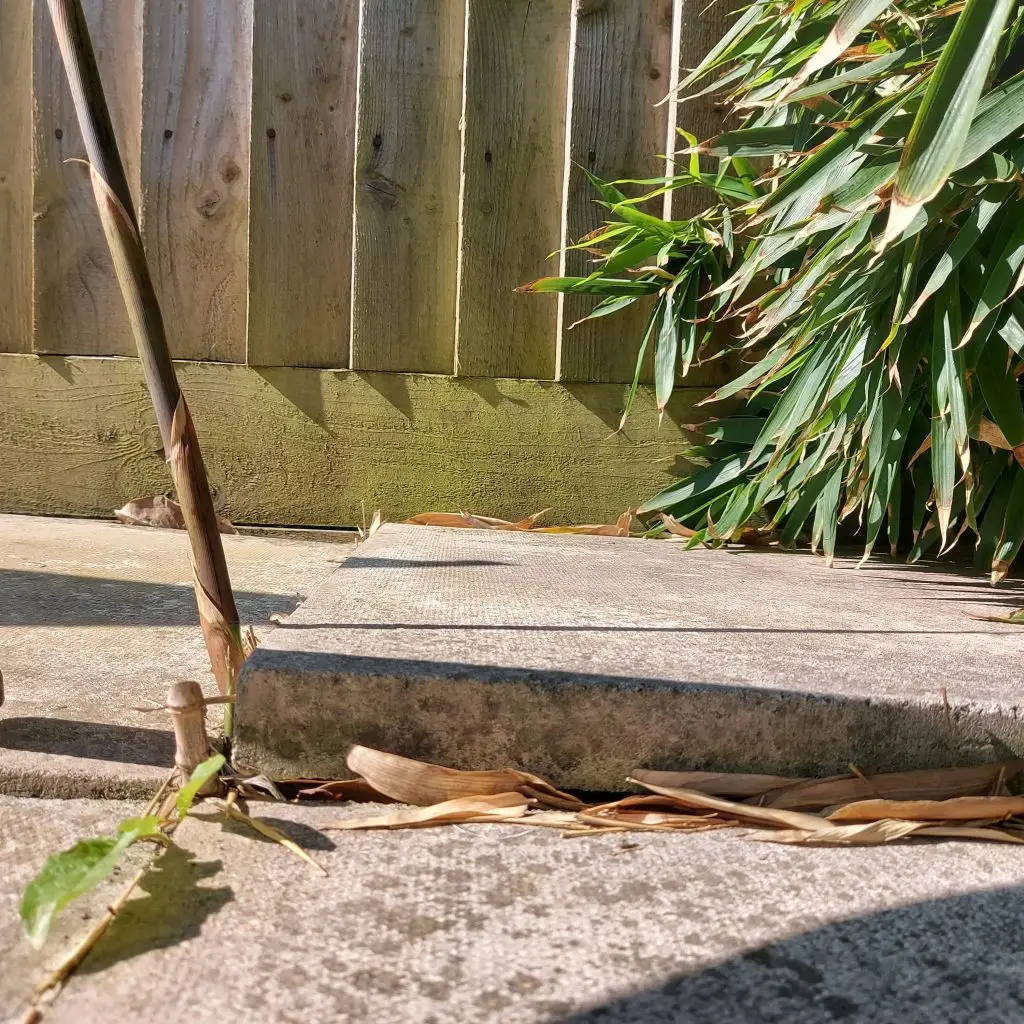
465 810
747 813
738 785
814 794
676 528
357 791
161 512
466 521
417 782
961 808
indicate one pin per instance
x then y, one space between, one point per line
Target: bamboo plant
863 251
217 613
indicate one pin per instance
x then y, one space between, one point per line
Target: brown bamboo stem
217 612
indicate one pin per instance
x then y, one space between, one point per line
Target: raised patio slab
580 658
96 620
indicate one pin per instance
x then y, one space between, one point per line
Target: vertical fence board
407 185
702 27
622 68
16 176
303 130
78 304
194 170
513 165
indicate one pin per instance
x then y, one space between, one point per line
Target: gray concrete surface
97 619
505 925
580 658
31 830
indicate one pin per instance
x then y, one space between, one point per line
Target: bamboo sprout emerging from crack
217 613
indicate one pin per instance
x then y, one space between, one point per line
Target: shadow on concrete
55 599
172 911
97 740
993 630
948 961
305 836
370 562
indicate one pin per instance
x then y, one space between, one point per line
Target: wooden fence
338 200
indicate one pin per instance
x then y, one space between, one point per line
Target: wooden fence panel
622 68
78 304
16 177
303 136
517 55
195 171
407 185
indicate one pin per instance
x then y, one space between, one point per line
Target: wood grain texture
78 304
77 437
407 185
16 177
622 68
303 137
702 25
195 171
513 164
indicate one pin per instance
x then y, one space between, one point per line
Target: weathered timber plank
513 165
299 446
407 185
303 138
622 68
701 26
16 177
78 304
195 171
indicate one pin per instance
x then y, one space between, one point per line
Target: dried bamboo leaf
161 512
470 809
739 812
738 785
962 808
674 527
927 784
348 790
270 832
872 833
992 835
416 782
620 528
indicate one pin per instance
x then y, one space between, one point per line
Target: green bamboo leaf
68 875
1001 393
666 350
877 68
965 239
1012 535
202 774
1000 113
1001 282
592 285
948 108
856 15
991 530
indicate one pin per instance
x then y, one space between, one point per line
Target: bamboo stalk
218 615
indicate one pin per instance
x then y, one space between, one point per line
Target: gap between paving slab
580 658
96 620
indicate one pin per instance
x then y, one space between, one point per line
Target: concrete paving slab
508 925
97 619
580 658
31 830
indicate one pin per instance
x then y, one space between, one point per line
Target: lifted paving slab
580 658
499 924
96 620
